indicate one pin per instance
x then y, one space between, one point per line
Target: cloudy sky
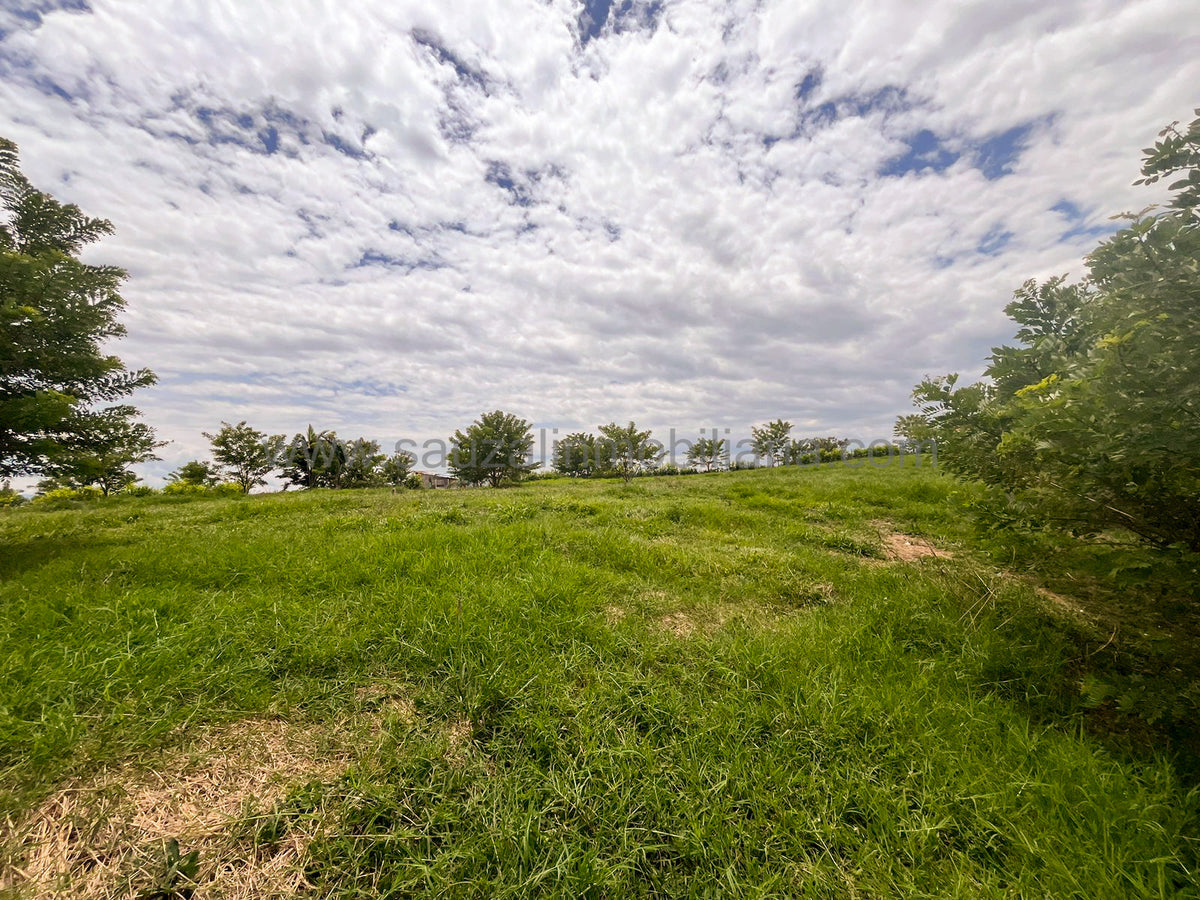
388 217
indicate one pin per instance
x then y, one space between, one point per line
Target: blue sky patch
373 257
994 241
593 19
995 156
501 175
926 151
342 146
1078 221
626 15
466 73
52 88
887 100
371 388
270 138
812 80
33 12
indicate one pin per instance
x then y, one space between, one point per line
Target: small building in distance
434 480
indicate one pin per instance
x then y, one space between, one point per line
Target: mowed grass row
702 686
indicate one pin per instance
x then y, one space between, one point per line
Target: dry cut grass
106 837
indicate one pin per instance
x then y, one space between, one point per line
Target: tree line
494 450
63 415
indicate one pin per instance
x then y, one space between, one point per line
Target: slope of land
771 683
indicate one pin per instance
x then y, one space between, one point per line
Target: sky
386 218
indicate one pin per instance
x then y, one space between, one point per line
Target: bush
9 499
66 495
182 488
1089 423
139 490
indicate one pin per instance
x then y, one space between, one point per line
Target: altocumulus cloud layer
388 217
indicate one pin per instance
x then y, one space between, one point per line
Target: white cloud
386 218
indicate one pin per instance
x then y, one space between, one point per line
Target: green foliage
111 443
245 454
413 481
322 459
9 498
56 314
626 451
313 459
1092 422
709 453
772 441
186 489
912 429
1176 152
806 451
397 469
66 495
363 464
575 455
177 878
204 474
494 449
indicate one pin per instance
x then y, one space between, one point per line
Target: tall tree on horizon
626 450
494 449
772 440
246 454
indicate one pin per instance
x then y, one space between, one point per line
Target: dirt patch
678 624
383 700
614 614
1061 601
458 741
907 548
108 837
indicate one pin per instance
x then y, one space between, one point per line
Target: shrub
64 495
1089 423
183 488
9 498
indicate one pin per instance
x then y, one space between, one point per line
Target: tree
245 454
363 464
314 459
625 450
197 473
912 430
56 313
708 452
396 468
494 449
772 440
103 447
1091 422
814 449
321 459
575 455
9 498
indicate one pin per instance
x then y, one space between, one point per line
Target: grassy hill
770 683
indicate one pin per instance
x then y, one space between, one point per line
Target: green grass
701 686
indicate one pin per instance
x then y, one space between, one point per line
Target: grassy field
750 684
